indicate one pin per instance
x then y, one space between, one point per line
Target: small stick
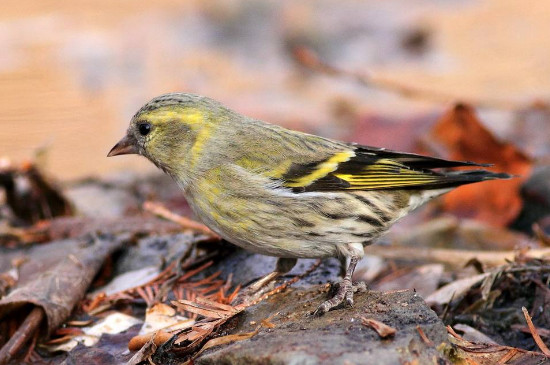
507 357
454 334
161 211
452 257
534 333
22 335
425 338
283 286
30 351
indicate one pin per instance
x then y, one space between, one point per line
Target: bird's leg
283 266
345 290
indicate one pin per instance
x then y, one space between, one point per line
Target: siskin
284 193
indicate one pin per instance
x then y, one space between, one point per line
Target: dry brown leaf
57 283
227 339
145 353
201 308
382 329
489 354
158 338
465 138
31 195
455 289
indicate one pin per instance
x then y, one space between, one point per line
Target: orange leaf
465 138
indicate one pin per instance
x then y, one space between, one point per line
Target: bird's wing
359 167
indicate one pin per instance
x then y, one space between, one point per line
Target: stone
338 337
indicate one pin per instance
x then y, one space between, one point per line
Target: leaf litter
187 310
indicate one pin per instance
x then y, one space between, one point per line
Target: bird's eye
144 128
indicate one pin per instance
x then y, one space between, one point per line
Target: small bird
285 193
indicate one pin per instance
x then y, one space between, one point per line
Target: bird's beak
125 146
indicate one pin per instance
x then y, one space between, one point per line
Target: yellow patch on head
323 169
190 116
202 136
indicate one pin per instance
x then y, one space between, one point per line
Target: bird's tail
457 178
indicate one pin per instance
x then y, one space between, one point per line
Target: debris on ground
131 278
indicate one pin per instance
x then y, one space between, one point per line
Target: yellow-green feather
322 170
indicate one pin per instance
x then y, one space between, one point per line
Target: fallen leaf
473 335
31 196
159 337
465 138
454 290
382 329
161 321
144 353
112 324
227 339
488 354
162 316
59 282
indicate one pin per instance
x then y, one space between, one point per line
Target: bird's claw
344 294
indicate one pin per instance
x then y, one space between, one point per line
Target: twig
283 286
423 336
308 58
32 346
161 211
507 357
453 333
534 333
216 313
23 334
456 258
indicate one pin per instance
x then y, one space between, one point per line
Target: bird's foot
344 294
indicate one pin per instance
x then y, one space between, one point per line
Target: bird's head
170 130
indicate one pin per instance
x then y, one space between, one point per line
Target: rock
246 267
155 251
338 337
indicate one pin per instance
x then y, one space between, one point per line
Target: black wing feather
379 169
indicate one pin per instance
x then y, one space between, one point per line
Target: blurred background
72 73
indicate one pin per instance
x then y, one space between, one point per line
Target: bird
285 193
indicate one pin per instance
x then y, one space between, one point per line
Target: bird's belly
295 226
266 237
